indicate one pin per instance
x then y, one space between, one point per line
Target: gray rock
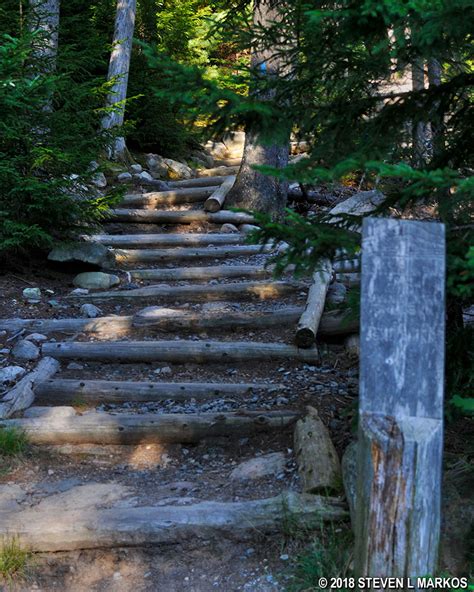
79 292
11 374
92 253
144 177
258 467
352 345
136 168
90 311
157 165
178 170
96 280
99 180
124 178
229 228
25 350
38 337
93 166
336 293
74 366
32 295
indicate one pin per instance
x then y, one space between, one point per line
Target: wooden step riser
191 217
130 256
93 392
167 240
198 182
199 293
103 428
180 352
167 198
202 273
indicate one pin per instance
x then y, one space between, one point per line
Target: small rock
124 177
79 292
229 228
11 374
90 311
166 370
32 295
74 366
284 557
50 472
336 293
136 168
25 350
93 166
260 466
38 337
352 345
99 180
96 280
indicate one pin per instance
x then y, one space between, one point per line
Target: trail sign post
401 398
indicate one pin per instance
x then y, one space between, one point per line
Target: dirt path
114 494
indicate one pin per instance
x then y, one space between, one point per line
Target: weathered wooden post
401 398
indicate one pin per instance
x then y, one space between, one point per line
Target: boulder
26 350
32 295
90 311
143 177
157 165
11 374
96 280
318 463
136 169
92 253
99 180
229 228
124 177
261 466
178 170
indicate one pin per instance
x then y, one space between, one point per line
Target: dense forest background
333 74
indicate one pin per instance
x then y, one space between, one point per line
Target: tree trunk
44 18
419 126
118 72
436 123
252 190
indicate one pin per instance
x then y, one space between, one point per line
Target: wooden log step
201 273
176 196
92 392
155 316
55 426
76 523
169 217
332 323
128 256
198 182
182 351
220 171
168 240
240 290
229 162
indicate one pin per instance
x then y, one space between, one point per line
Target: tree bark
119 66
436 123
44 18
253 190
419 126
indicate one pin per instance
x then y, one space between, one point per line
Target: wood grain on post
401 398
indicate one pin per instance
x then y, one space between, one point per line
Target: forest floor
156 474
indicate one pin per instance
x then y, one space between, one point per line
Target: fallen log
92 392
168 217
243 290
103 428
201 273
176 196
318 464
216 200
158 317
182 351
128 256
51 526
22 395
167 240
198 182
336 322
220 171
309 322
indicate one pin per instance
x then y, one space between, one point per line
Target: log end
305 337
